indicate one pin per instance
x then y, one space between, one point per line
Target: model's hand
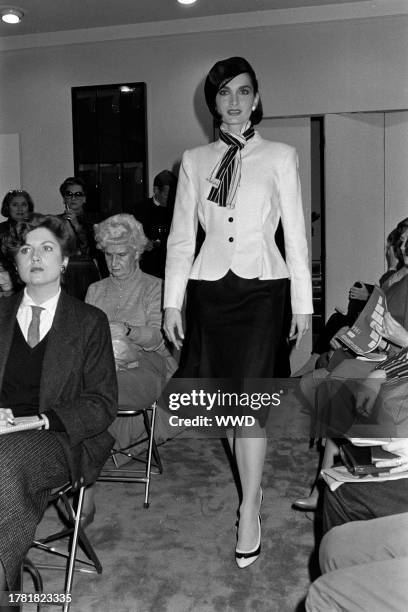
6 417
300 324
359 293
398 446
393 331
173 326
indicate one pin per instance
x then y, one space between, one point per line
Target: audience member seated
327 399
358 296
364 566
155 214
131 300
17 207
56 361
365 500
6 284
83 268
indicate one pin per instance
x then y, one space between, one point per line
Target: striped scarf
228 171
395 366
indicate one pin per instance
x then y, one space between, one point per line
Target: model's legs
250 458
230 434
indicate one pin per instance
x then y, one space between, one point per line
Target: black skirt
237 328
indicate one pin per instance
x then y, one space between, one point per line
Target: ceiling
55 15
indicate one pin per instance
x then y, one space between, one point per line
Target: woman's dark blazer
78 380
4 227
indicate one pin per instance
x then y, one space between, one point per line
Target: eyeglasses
76 194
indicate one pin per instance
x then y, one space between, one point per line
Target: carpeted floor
177 556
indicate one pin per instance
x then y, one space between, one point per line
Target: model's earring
63 269
253 108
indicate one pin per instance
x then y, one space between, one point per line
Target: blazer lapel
8 313
61 352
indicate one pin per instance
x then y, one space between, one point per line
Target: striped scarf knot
228 171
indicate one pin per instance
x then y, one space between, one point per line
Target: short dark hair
72 180
394 240
165 177
58 226
403 224
5 207
222 73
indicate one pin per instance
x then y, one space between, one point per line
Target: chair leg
74 546
156 456
149 426
29 567
150 430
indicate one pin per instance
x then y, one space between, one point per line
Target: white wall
354 177
303 69
9 164
396 175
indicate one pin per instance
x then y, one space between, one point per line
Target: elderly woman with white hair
132 301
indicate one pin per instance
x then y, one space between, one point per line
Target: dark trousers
365 500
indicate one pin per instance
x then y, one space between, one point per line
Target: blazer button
231 239
231 219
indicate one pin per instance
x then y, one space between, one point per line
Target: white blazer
242 238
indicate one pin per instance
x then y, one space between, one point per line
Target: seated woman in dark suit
56 361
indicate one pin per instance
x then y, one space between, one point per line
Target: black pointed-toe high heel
247 558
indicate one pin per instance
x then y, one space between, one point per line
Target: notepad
23 424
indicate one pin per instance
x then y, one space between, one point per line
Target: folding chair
77 537
151 458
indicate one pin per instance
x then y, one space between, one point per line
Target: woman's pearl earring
253 108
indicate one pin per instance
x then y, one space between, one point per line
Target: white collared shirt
25 313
